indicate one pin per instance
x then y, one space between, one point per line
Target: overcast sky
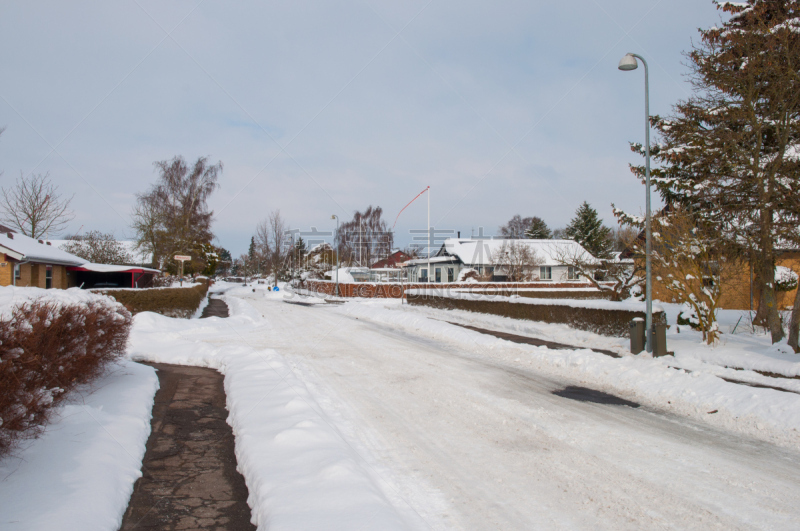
318 108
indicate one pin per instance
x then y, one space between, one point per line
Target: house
41 264
500 260
392 261
35 263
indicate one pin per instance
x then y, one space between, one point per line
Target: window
17 271
545 273
450 274
423 275
438 274
572 274
48 277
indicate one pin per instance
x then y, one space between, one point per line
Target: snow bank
80 473
764 413
592 304
299 470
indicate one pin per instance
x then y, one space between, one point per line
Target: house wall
25 275
6 271
736 286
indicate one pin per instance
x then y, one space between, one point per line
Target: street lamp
629 63
337 254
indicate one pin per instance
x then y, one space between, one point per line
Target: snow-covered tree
688 262
538 230
99 248
587 229
731 152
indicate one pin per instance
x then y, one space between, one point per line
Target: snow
573 303
300 472
31 249
11 296
647 380
376 414
484 252
80 473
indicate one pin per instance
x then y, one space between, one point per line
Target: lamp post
336 293
628 62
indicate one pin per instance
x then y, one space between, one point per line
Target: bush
46 349
172 302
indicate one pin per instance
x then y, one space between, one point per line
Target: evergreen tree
251 252
538 230
587 229
729 153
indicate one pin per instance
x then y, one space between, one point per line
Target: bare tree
516 227
99 248
516 260
272 244
365 238
35 207
613 275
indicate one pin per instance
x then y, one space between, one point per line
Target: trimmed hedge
172 302
46 349
607 322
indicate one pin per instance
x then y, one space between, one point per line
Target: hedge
172 302
601 317
46 349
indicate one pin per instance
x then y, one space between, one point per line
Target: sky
319 108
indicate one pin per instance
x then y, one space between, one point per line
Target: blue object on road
276 288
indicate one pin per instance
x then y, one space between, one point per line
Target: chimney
48 243
10 235
459 235
40 241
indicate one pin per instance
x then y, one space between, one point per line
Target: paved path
215 308
189 472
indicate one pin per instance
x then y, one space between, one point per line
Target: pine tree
538 230
729 153
587 229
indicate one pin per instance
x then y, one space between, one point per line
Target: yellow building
28 262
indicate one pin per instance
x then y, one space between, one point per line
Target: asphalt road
462 439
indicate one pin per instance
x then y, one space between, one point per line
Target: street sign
182 258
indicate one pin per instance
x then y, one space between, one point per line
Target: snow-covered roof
486 252
25 249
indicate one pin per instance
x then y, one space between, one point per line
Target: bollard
659 339
637 335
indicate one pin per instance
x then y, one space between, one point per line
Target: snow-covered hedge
599 316
50 341
172 302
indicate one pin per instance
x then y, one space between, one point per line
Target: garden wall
601 317
391 290
172 302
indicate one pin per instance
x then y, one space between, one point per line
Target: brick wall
385 290
6 271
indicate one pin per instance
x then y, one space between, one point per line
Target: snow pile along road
300 472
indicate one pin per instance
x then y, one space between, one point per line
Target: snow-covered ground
80 473
378 415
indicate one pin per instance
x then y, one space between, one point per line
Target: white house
541 260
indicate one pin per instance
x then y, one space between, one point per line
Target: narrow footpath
189 478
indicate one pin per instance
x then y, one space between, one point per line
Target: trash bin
659 339
637 335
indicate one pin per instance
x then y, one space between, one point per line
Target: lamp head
333 216
628 62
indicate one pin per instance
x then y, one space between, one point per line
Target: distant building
489 260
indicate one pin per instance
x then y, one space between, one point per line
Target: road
465 440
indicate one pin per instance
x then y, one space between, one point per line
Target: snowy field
378 415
